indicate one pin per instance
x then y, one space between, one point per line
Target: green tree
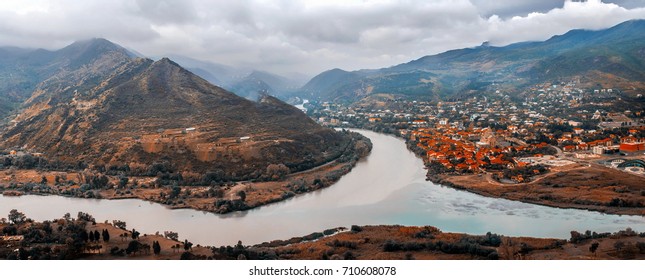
593 248
242 195
118 223
188 245
619 245
123 181
16 217
175 191
133 247
84 236
156 247
135 234
276 171
171 235
106 236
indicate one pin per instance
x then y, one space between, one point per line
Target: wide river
388 187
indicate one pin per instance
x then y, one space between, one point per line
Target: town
509 137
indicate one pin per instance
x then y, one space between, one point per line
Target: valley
535 141
547 148
387 188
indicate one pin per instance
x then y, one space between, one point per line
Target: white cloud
592 14
301 36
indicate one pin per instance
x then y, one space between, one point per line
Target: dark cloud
302 36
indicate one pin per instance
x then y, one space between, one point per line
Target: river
301 106
388 187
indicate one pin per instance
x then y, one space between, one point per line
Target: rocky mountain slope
102 107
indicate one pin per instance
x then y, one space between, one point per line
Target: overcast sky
302 36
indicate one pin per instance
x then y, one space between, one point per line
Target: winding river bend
388 187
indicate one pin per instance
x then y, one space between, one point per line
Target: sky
305 37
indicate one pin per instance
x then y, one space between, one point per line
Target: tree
593 248
171 235
106 236
123 181
135 234
97 236
16 217
174 192
242 195
133 247
90 236
85 217
10 230
186 256
188 245
118 223
156 247
84 236
619 245
575 237
276 171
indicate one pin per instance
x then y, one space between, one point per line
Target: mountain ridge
114 110
618 50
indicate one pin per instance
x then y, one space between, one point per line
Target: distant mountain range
611 56
97 103
21 70
244 82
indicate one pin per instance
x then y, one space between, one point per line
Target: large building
632 147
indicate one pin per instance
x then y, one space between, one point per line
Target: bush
346 244
391 246
329 231
116 251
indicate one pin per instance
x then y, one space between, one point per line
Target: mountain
251 88
21 70
242 81
617 53
106 108
328 82
218 74
259 82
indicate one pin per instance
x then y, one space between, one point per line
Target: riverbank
84 238
240 196
430 243
69 238
582 185
591 188
387 188
585 186
221 199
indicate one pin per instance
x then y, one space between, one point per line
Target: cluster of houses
483 130
471 151
609 145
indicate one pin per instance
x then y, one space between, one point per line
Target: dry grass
591 188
